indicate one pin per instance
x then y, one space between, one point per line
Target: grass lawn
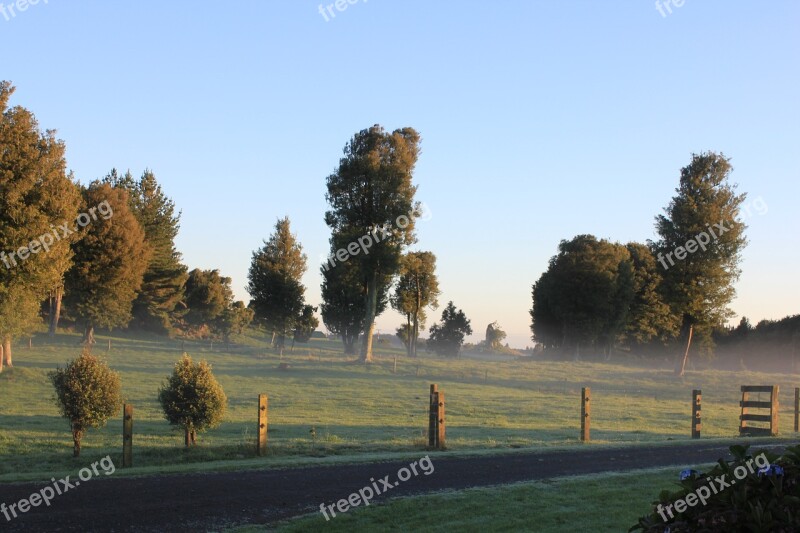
602 502
360 411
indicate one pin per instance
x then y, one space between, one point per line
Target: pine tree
274 282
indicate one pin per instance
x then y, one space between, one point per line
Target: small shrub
192 398
87 394
763 497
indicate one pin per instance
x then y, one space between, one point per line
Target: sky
539 121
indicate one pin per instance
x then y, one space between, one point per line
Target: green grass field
356 411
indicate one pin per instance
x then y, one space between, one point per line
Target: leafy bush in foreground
192 398
758 493
87 394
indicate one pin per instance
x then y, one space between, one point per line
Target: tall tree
164 279
446 338
111 256
417 289
36 199
699 247
344 300
371 196
275 287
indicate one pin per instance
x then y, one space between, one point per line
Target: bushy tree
371 197
274 282
192 398
650 319
207 296
446 338
37 198
699 247
584 296
87 394
233 320
111 256
416 289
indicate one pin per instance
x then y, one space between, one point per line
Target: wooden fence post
432 416
586 411
796 409
440 425
262 425
127 435
775 408
697 423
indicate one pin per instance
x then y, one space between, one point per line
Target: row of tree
597 294
121 268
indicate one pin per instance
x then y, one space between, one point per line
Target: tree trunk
55 310
88 334
372 303
415 327
187 437
1 358
76 442
682 370
7 351
410 329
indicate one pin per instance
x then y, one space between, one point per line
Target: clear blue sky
539 120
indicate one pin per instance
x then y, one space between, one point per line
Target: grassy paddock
601 502
356 410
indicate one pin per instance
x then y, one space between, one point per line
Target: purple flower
686 474
771 470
